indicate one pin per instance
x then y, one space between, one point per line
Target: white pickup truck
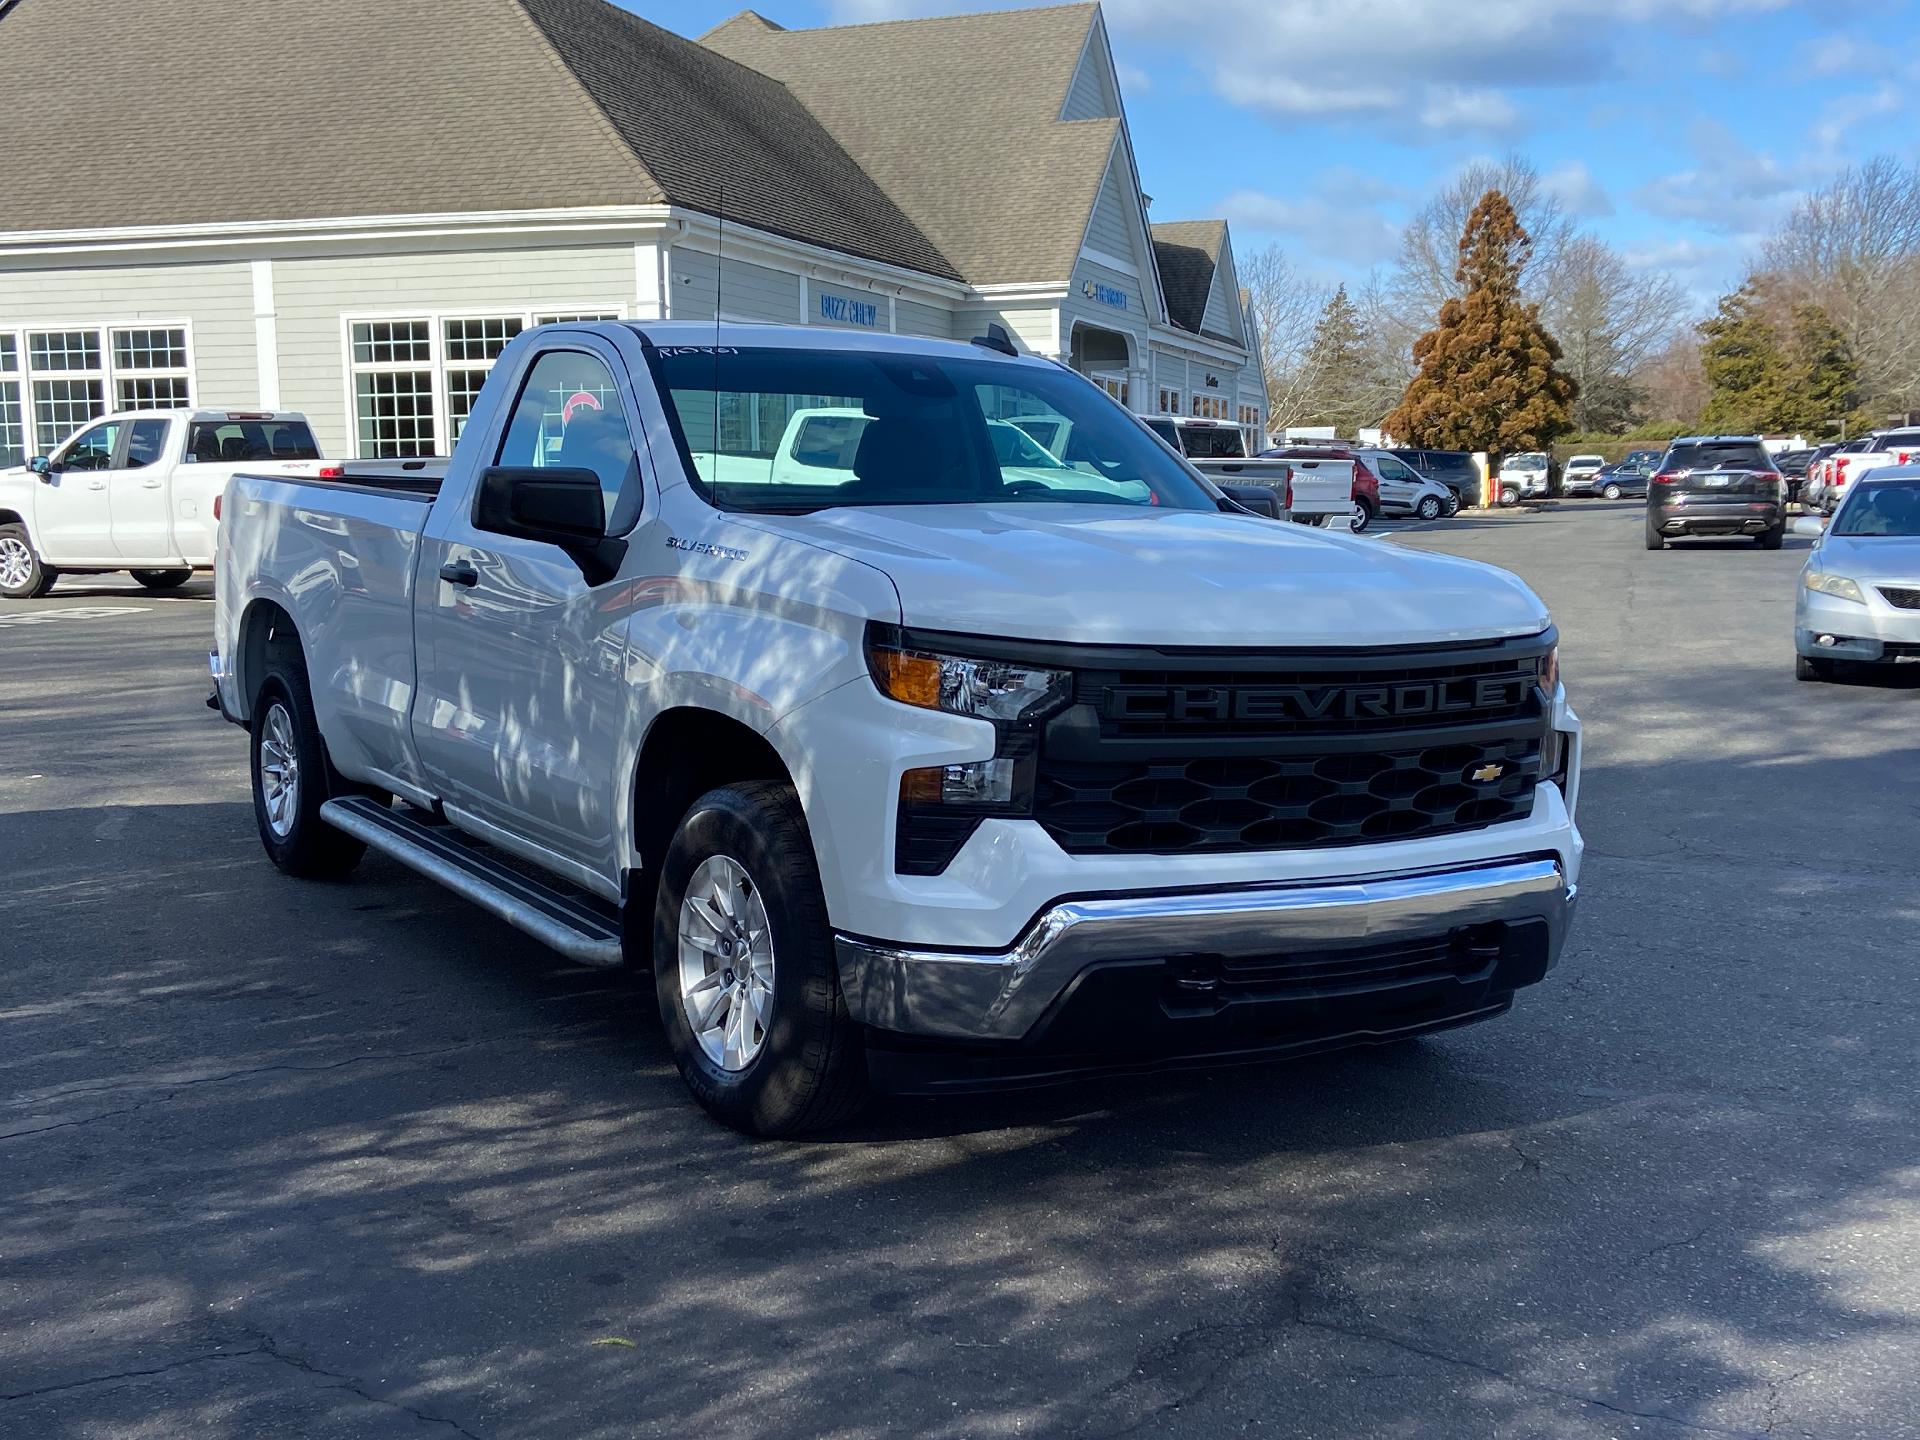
135 491
1311 492
926 775
1828 478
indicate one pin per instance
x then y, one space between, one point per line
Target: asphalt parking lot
291 1159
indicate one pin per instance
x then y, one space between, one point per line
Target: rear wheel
292 778
1429 508
22 576
162 579
1453 504
1655 540
744 967
1773 539
1362 515
1805 667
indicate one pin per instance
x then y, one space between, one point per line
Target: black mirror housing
554 505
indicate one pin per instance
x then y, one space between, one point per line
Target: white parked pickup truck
135 491
924 777
1312 493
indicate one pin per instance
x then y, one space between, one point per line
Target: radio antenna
719 275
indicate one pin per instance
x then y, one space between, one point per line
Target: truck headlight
1838 586
1004 691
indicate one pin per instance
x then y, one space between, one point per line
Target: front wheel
22 576
1509 495
1429 508
1612 492
744 968
1805 667
162 579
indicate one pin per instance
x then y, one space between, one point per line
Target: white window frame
17 377
436 321
117 375
108 374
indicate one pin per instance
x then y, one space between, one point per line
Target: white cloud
1731 189
1416 66
1133 79
1833 54
1573 185
1328 223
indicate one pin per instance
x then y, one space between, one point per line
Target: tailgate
1321 487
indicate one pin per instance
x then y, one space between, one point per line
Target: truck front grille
1287 752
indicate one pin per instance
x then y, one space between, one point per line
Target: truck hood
1092 574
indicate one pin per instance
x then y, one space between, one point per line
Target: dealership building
348 207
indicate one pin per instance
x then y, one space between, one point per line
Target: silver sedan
1859 595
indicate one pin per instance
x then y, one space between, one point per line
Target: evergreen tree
1748 375
1342 390
1488 376
1824 383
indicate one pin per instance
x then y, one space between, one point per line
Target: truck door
523 692
72 504
142 529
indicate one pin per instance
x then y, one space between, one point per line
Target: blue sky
1678 130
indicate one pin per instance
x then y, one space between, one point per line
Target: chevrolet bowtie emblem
1487 774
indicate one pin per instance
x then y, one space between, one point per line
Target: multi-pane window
54 381
13 421
1169 401
393 407
1250 423
1209 407
416 379
472 345
150 370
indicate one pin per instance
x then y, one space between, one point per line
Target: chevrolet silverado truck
922 777
1316 491
135 491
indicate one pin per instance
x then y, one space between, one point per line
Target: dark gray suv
1716 485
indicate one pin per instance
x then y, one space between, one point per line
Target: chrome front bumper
1000 996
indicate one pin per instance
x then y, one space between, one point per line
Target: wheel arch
688 750
267 633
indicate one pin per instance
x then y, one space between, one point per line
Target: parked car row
1384 484
1831 469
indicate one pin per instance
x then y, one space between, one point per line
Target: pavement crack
130 1374
1529 1164
1683 1243
271 1348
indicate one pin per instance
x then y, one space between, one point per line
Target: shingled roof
957 119
1187 252
367 107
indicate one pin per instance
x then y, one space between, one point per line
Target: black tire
1362 515
298 841
1453 505
162 579
1773 539
1509 495
1655 541
1428 508
1805 667
809 1072
1611 492
37 578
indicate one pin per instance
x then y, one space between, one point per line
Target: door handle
459 572
149 484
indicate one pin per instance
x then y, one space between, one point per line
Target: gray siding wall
1222 315
913 318
1078 305
1110 230
312 295
1170 371
752 292
1092 95
215 300
1031 329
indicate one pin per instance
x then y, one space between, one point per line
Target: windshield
792 430
1525 462
1887 507
1718 455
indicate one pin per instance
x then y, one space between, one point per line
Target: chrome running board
578 926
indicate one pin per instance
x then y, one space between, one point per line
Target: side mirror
552 506
40 465
1807 525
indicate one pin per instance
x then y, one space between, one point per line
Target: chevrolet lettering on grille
1213 704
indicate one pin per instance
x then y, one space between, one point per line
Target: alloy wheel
726 963
16 562
279 770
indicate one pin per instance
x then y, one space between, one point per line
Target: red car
1366 484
